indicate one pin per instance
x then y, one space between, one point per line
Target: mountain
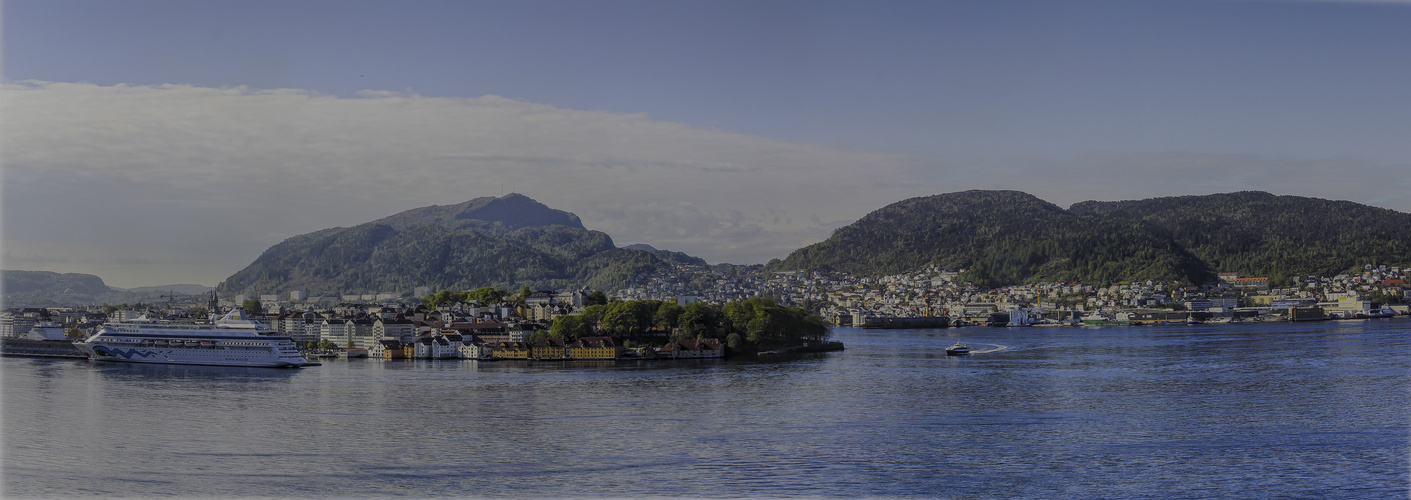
1007 237
505 242
180 289
1261 234
44 288
668 255
510 212
32 285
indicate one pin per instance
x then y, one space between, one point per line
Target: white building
335 331
393 329
13 326
304 328
439 347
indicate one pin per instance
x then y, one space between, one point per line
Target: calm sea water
1256 411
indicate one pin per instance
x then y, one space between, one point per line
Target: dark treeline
755 324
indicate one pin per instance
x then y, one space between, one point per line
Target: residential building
595 348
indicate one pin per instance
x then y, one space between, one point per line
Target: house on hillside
1252 283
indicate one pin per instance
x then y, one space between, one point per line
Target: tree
252 306
595 297
619 319
435 300
524 294
570 328
487 295
762 326
698 319
761 321
734 341
667 315
1381 296
593 315
629 318
813 327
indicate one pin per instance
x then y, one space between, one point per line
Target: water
1252 411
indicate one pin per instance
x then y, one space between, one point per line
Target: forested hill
506 242
1261 234
1009 237
47 289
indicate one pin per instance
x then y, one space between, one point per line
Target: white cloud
1110 175
148 185
203 179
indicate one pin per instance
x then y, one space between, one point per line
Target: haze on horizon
153 142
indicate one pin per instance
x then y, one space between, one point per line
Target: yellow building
1263 300
512 350
549 348
595 348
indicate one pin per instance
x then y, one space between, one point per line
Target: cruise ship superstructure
233 340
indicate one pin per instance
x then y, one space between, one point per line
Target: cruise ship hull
186 356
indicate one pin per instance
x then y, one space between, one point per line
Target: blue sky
736 131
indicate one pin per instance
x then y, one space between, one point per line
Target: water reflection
139 372
1250 410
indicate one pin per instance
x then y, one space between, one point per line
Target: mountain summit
512 211
507 242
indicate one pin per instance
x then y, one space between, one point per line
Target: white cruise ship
233 340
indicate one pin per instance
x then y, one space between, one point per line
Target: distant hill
182 289
44 289
45 282
1260 234
1009 237
510 212
505 242
667 255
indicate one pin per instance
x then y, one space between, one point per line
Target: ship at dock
898 322
232 340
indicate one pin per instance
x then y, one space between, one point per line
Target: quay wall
40 348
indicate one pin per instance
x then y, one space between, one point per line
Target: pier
40 348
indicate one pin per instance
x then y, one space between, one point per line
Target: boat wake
996 348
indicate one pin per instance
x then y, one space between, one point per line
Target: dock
897 322
40 349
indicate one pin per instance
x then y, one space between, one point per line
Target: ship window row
225 343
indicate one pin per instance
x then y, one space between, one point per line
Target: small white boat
957 349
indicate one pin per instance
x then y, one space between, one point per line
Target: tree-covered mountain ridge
506 242
47 288
1011 237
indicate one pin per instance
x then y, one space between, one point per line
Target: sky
165 142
